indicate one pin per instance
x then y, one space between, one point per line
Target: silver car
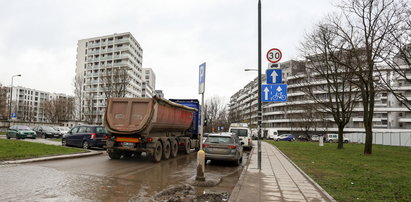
223 147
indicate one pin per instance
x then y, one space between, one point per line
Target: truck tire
157 153
174 149
114 155
187 147
166 150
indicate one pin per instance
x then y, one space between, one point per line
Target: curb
47 158
328 196
237 188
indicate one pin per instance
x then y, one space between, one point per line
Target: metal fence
386 138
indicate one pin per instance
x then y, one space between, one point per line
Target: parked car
243 132
271 134
303 138
85 136
46 132
20 132
334 138
286 137
61 129
223 147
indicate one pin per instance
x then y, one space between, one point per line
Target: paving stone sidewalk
279 180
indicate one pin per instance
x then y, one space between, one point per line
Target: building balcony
404 120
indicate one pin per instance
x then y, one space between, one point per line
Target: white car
334 138
62 129
243 132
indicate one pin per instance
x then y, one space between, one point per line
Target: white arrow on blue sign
274 93
274 76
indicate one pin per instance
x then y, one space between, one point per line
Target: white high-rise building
149 83
107 66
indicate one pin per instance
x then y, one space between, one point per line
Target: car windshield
240 132
220 140
23 128
47 128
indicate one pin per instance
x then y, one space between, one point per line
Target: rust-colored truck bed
142 116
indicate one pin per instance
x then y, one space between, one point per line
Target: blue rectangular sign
201 78
274 93
274 76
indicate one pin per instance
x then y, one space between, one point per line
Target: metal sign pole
259 85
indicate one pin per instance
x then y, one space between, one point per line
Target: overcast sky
38 39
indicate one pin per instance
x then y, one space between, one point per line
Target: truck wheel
114 155
157 153
187 147
166 150
174 149
127 154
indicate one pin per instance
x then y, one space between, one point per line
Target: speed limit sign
274 55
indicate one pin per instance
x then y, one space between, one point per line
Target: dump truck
159 127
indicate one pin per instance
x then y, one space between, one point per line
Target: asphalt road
98 178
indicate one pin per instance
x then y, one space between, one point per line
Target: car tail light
232 147
93 136
249 141
205 145
149 139
107 137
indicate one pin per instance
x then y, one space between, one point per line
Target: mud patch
186 193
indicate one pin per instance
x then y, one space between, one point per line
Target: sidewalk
279 180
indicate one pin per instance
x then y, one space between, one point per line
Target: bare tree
4 114
88 108
361 36
216 114
327 82
78 97
398 56
115 82
59 109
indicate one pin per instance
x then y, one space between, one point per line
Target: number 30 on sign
274 55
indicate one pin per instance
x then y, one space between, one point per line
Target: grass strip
349 175
17 149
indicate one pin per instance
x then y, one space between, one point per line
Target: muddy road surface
98 178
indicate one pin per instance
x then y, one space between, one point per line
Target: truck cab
243 132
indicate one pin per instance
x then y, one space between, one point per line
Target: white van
334 138
271 134
243 132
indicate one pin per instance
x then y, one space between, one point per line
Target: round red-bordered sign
274 55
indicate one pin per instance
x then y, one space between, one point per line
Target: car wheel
114 155
346 141
64 142
238 162
86 145
8 137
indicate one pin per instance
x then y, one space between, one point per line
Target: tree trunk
340 136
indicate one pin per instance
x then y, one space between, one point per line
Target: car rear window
100 130
221 140
240 132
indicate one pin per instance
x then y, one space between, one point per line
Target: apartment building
29 104
107 66
293 116
149 83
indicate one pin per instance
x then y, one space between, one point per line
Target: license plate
28 135
128 144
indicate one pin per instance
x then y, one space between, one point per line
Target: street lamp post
259 112
11 95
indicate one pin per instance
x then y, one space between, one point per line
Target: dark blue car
85 136
286 137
